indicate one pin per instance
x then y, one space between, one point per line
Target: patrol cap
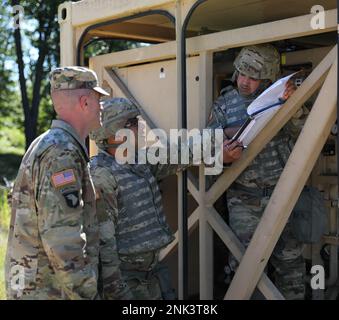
74 77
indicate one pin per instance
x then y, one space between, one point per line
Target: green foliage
42 29
4 225
12 139
46 114
37 52
3 241
4 211
103 46
40 33
9 105
9 164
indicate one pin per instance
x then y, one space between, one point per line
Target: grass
12 143
3 240
4 225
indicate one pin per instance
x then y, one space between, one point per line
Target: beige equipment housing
215 31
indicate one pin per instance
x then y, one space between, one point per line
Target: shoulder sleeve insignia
63 178
72 199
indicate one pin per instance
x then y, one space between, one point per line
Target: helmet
258 62
114 116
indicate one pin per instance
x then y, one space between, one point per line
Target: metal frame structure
74 18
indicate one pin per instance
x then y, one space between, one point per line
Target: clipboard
261 111
253 116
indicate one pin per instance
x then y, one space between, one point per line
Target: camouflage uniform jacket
229 110
132 223
53 240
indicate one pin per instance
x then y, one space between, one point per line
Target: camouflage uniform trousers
139 272
144 288
286 259
146 277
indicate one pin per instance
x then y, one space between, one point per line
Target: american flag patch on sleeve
63 178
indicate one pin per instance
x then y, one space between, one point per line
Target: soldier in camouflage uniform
132 223
53 242
256 68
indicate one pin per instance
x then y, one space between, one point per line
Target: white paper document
262 109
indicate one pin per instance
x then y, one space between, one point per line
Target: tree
43 36
45 39
7 92
104 46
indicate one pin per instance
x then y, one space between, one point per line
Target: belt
258 192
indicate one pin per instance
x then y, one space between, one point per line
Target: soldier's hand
289 89
232 151
230 132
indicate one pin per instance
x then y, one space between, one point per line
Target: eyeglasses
133 122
